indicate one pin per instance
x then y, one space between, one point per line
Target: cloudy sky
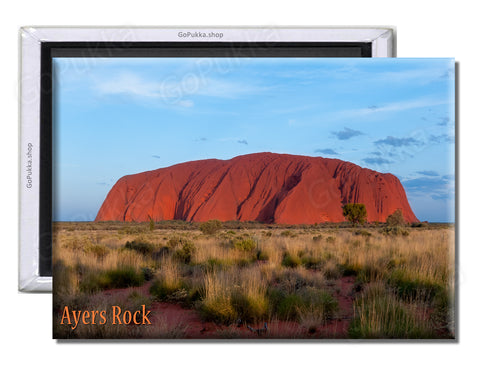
118 116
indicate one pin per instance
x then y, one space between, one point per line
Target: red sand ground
188 323
263 187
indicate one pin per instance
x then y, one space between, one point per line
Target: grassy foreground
245 275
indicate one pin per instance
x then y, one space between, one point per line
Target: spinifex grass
379 313
263 274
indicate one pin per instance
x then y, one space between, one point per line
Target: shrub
290 260
379 314
310 262
98 250
161 252
210 227
167 281
395 231
317 238
284 306
249 308
331 239
141 246
355 213
409 285
288 233
186 252
262 255
419 225
175 241
247 244
331 270
350 269
219 310
362 232
147 273
162 288
396 219
216 263
122 277
291 306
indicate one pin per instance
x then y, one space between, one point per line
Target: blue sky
118 116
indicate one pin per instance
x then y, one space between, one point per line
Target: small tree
396 218
211 227
152 224
355 213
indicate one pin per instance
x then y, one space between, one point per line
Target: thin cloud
347 134
442 138
174 91
398 141
434 187
156 156
429 173
377 161
395 106
244 142
443 121
326 151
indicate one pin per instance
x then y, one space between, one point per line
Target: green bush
362 232
175 241
288 233
186 252
147 273
311 262
355 213
99 251
410 286
379 314
211 227
121 277
291 306
331 239
291 261
395 231
249 308
396 219
141 246
219 310
124 277
262 255
419 225
163 289
247 244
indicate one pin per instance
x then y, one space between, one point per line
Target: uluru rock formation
263 187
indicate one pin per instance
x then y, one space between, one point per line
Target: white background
424 29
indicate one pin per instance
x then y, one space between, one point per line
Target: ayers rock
263 187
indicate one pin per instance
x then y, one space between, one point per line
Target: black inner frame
49 50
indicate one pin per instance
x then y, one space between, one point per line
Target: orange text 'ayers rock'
263 187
